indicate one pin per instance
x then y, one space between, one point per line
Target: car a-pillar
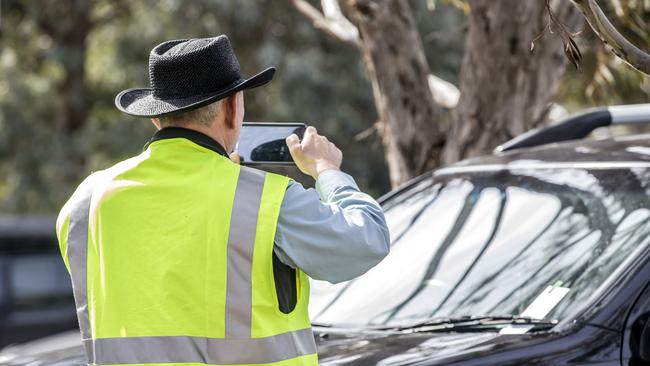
636 335
644 350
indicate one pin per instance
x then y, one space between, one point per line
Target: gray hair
202 116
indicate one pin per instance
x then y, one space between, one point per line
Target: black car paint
585 345
602 333
637 322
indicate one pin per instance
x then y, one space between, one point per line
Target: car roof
607 151
622 152
27 226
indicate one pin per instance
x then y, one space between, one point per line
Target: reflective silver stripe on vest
238 347
241 241
77 254
222 351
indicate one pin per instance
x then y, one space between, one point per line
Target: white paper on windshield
545 302
539 308
516 329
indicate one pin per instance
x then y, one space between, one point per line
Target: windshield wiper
473 323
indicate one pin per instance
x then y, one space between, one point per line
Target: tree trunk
505 88
411 124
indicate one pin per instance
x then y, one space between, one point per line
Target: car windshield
493 242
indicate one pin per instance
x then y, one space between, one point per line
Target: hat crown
186 74
189 67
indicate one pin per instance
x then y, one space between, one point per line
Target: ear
156 122
230 108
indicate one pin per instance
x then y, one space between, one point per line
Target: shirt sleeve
334 232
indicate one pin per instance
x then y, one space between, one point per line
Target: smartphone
263 143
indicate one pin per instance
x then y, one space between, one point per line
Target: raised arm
336 232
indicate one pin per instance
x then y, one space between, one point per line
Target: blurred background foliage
63 62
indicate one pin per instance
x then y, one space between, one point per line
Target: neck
212 132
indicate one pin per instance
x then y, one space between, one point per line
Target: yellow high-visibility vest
171 259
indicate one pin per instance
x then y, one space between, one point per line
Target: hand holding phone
315 153
266 146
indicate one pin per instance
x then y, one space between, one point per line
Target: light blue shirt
332 233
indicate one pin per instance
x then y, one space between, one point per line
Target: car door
636 336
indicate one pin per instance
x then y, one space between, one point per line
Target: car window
491 243
38 280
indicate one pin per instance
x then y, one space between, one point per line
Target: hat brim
140 102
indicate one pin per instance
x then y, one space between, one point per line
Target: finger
310 134
293 142
235 158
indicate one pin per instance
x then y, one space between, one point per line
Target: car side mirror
644 344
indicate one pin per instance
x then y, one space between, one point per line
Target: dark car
35 291
536 255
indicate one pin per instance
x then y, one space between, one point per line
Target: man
179 255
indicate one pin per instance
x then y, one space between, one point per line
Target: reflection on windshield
276 150
490 243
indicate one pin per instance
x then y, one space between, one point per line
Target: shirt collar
192 135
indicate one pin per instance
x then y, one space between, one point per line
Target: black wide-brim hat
187 74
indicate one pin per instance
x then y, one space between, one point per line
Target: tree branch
444 93
618 7
332 10
333 22
606 31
